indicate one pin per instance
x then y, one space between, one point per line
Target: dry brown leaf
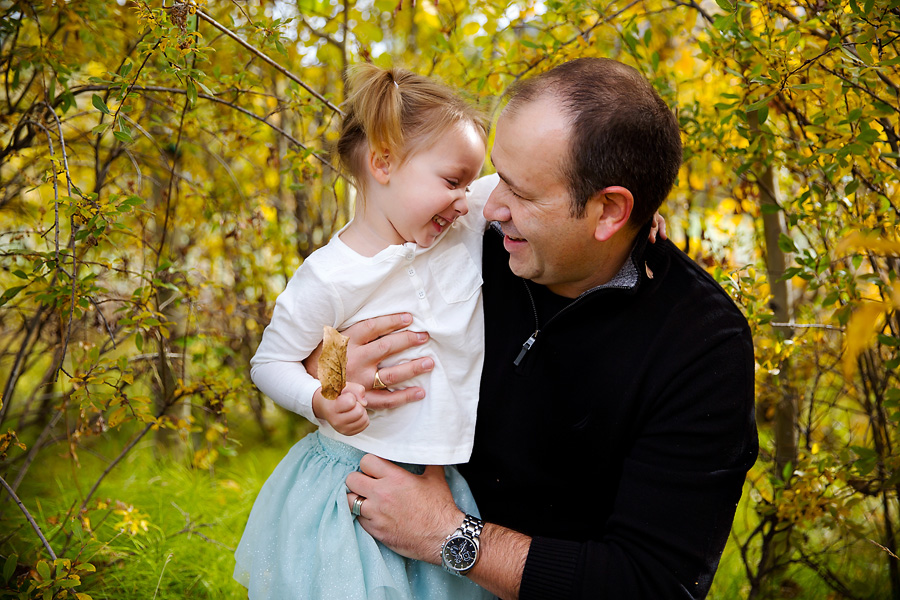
333 363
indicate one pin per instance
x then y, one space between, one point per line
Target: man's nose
495 209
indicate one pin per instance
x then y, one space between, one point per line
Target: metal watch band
471 527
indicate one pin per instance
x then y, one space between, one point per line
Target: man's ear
379 165
615 204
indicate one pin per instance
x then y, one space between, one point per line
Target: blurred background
165 167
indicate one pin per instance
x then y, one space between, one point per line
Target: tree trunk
776 543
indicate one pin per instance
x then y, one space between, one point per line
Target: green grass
194 518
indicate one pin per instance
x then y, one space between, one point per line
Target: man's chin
520 269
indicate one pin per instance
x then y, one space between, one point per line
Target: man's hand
410 514
371 342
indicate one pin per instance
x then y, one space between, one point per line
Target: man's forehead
534 131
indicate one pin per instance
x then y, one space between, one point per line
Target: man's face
533 205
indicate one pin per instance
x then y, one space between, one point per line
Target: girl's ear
379 164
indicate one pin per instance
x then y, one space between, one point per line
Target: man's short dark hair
622 132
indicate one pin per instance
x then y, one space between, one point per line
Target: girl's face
426 193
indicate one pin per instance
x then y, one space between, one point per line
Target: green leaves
10 293
760 103
9 566
99 104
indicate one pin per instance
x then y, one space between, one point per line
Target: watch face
459 553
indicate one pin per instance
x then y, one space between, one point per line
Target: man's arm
413 514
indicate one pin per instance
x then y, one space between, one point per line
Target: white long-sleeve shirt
440 286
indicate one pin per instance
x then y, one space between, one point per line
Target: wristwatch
460 549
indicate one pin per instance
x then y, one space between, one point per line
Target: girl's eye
451 182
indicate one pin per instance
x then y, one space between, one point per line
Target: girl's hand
658 227
346 413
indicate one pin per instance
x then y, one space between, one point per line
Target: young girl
412 147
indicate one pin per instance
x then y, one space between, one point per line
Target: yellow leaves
861 331
696 181
9 439
117 416
495 82
205 457
131 520
95 69
865 322
729 206
230 485
686 62
268 212
428 16
271 177
861 241
333 363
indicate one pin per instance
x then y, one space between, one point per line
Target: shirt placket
418 285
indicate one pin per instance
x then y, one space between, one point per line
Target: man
615 424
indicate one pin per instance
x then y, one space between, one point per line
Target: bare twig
891 554
16 369
117 460
269 61
35 447
28 516
240 109
807 326
190 528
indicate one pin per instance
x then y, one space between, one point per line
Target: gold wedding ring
378 384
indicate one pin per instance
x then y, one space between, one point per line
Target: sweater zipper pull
526 347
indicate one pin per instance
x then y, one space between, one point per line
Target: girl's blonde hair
397 111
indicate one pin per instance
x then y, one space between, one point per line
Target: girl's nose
461 205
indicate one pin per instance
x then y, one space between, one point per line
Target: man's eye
512 191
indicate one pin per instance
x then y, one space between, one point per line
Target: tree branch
28 516
269 61
168 90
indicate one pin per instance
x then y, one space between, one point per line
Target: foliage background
164 168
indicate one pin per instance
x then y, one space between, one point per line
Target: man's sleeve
679 489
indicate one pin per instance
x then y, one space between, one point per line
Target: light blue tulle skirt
302 542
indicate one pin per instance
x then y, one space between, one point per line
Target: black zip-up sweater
621 440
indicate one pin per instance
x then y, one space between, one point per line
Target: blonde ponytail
376 103
396 111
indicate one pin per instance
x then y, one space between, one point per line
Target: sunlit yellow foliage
183 218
